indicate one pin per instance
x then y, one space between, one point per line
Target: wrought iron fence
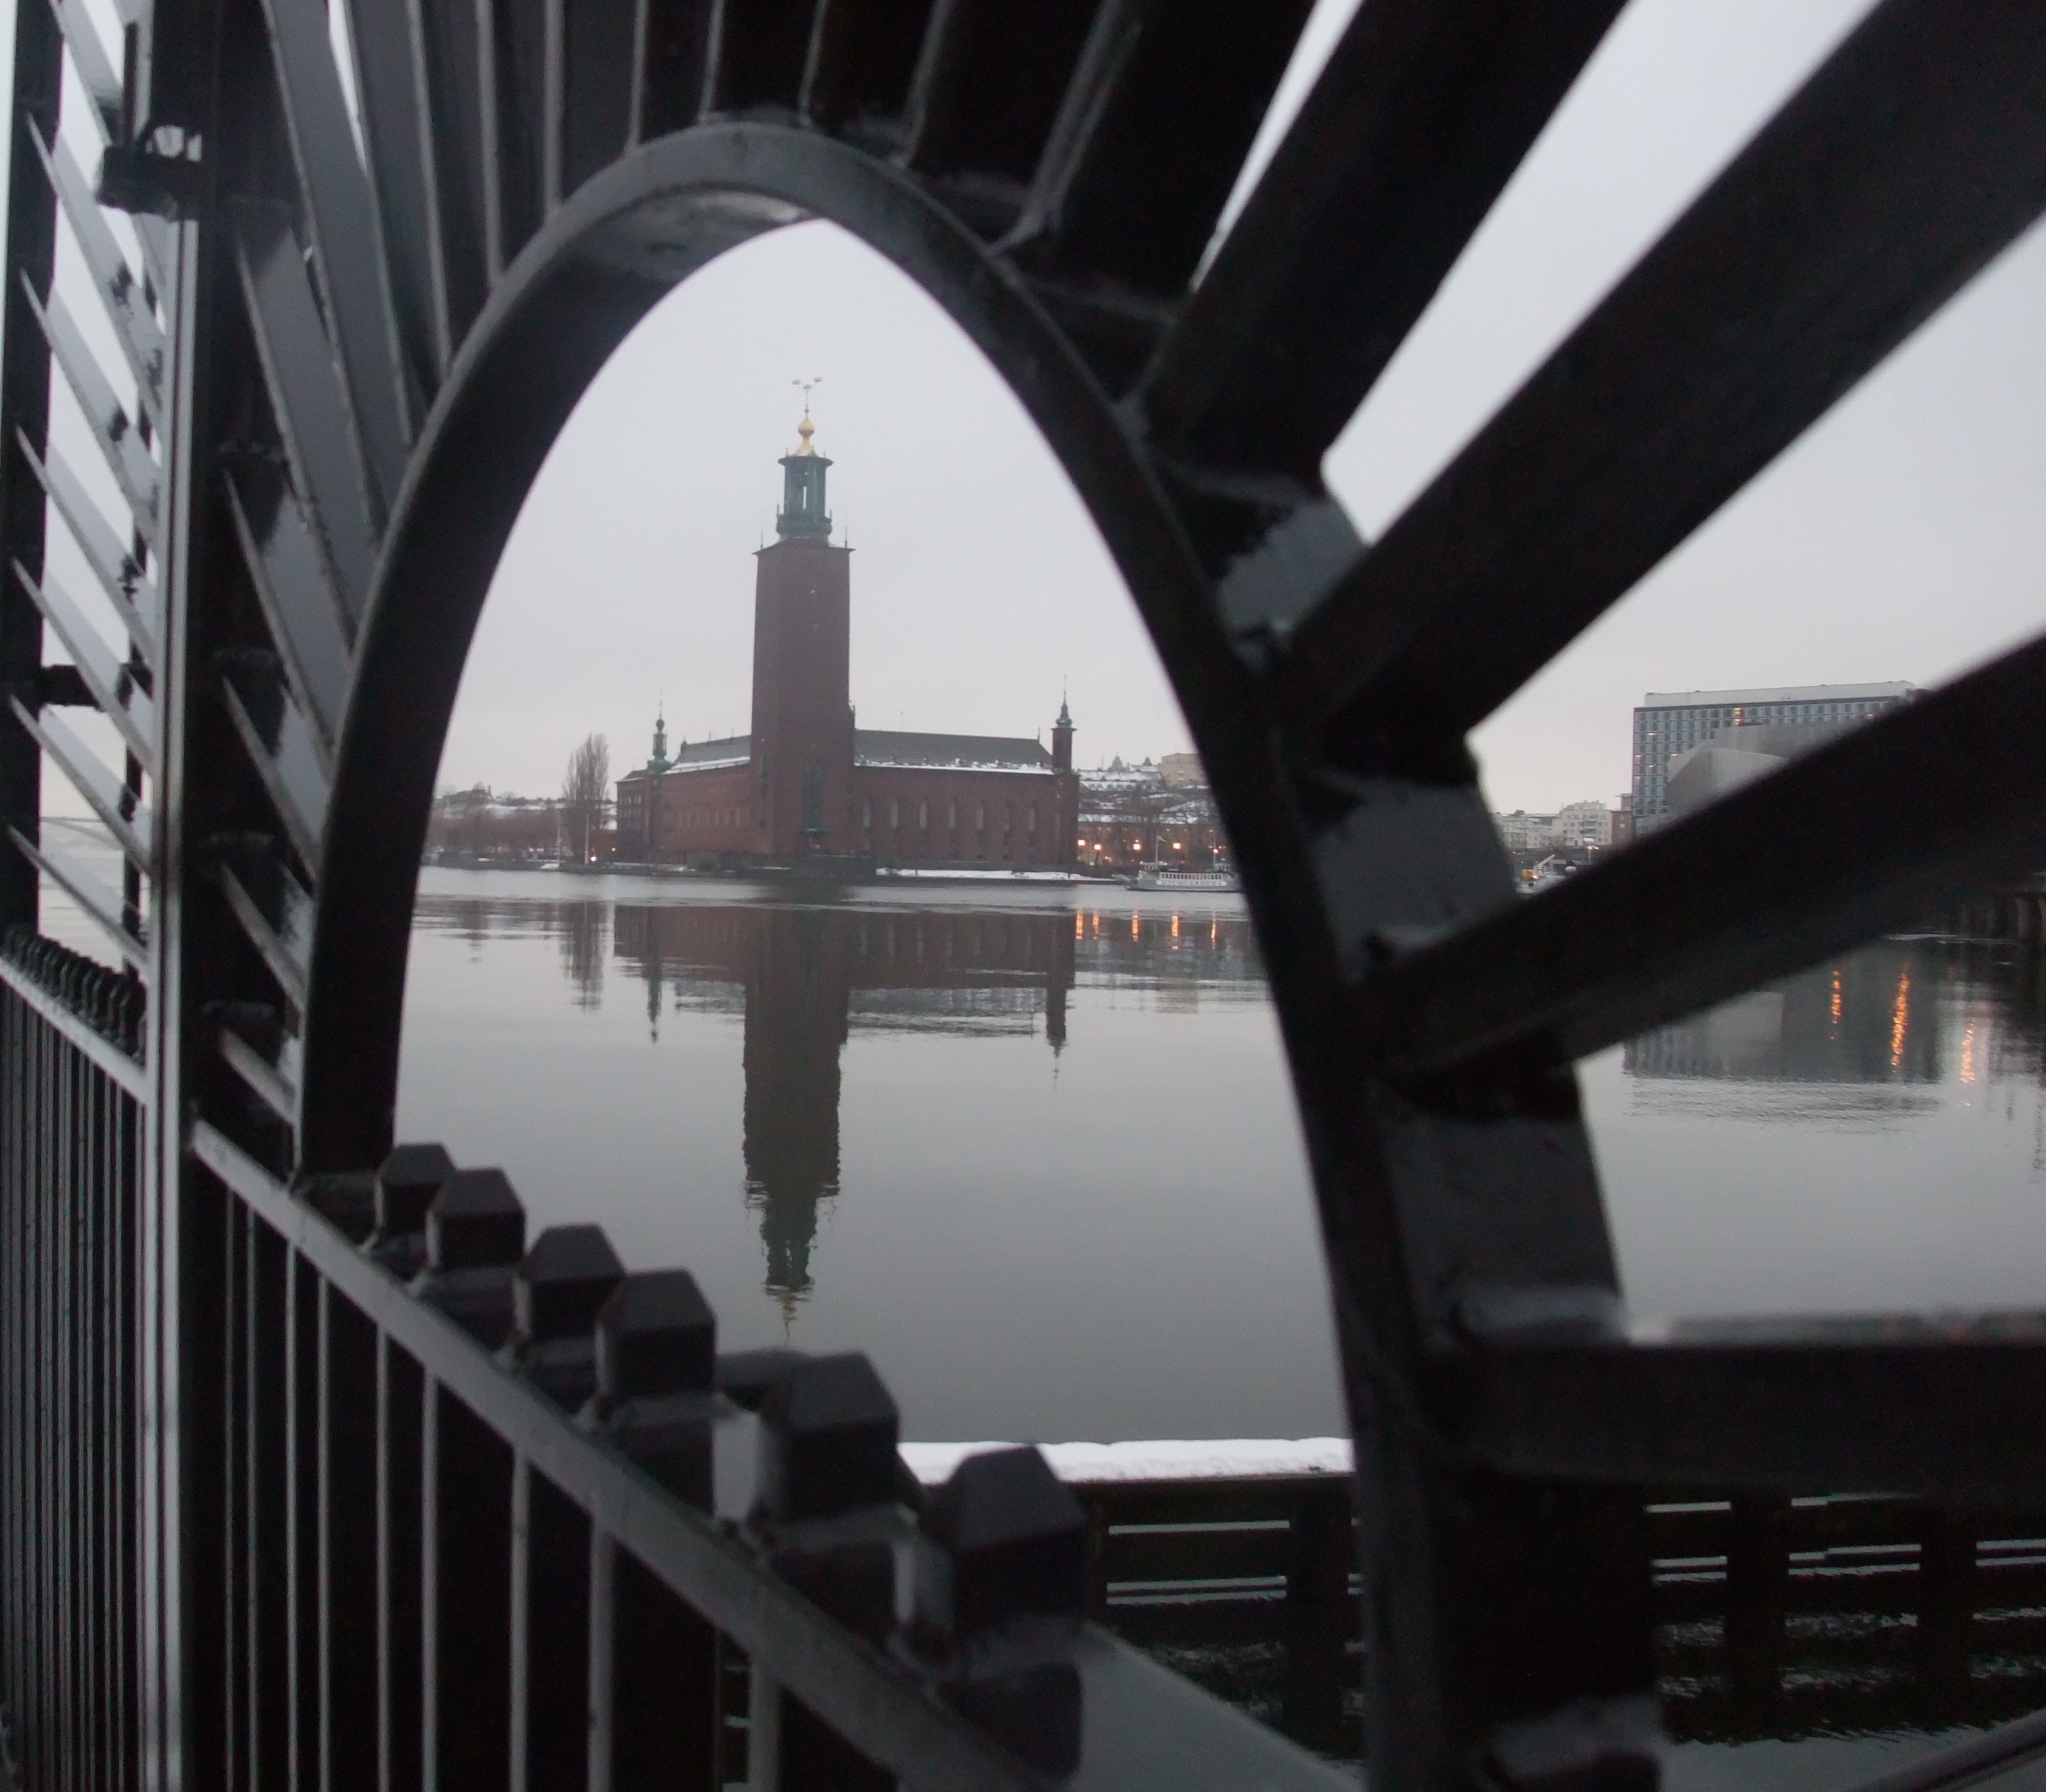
73 1454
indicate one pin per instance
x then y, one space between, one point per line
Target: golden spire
806 429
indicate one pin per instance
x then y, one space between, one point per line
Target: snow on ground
991 877
1164 1459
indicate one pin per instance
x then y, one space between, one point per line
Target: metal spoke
112 685
300 606
1913 155
1691 915
280 743
343 242
306 396
127 819
1422 113
120 923
120 575
135 326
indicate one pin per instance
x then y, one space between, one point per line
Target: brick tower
802 644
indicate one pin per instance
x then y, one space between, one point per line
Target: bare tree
584 788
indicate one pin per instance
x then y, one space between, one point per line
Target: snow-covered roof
705 755
966 752
1773 693
1160 1459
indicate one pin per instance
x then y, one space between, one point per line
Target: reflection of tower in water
807 975
582 930
796 1008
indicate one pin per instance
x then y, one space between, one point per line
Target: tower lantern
803 516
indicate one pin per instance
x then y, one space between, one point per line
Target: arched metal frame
619 246
351 367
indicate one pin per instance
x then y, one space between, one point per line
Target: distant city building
481 825
1585 825
804 782
1160 813
1690 746
1524 833
1115 777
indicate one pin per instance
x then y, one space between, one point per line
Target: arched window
980 818
867 813
952 815
894 815
924 817
1033 818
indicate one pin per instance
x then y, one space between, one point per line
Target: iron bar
119 573
1916 153
307 401
1416 122
879 1710
304 616
338 219
112 684
1688 918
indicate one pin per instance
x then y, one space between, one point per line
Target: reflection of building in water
797 990
582 929
810 977
1871 1017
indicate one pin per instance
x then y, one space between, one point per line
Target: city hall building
804 783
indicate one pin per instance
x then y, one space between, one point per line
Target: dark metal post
1321 1615
1757 1593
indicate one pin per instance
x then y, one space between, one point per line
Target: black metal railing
74 1400
487 1512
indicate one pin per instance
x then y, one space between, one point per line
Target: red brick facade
804 783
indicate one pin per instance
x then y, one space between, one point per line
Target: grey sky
1904 537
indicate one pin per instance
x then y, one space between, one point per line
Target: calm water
1036 1156
1034 1150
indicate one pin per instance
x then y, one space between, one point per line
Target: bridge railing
487 1511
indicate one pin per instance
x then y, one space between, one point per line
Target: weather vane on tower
809 386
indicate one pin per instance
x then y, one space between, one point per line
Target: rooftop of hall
702 756
979 752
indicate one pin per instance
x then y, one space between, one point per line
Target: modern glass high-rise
1669 722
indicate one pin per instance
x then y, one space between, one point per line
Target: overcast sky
1904 537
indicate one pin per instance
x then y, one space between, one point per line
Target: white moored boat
1152 876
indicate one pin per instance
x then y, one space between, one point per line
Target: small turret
659 762
1062 737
